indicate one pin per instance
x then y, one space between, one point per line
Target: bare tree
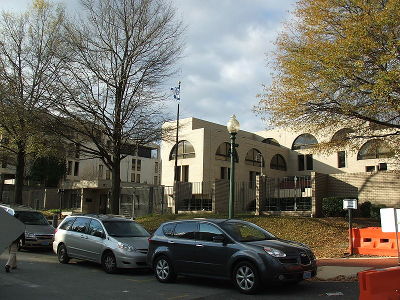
117 57
28 44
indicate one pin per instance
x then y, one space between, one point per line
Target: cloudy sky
226 54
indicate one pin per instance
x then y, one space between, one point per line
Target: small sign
389 220
349 203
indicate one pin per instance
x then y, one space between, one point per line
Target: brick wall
377 187
319 187
221 196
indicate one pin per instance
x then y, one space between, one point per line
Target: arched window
374 149
185 150
278 163
271 141
304 141
342 134
254 158
223 152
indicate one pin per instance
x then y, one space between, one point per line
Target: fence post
151 198
55 221
260 182
162 199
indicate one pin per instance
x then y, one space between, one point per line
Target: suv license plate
307 275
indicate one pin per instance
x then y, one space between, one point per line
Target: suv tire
62 254
163 269
245 277
109 262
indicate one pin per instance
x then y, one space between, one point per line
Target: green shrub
375 211
333 207
365 209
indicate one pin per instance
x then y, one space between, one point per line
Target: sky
227 55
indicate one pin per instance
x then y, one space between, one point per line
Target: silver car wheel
109 262
162 269
245 278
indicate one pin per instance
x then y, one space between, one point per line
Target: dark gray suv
228 249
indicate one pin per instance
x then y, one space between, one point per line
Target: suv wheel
109 262
245 278
163 269
62 254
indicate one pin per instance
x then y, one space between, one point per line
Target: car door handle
83 237
199 245
171 242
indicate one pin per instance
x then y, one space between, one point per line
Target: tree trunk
1 187
19 174
116 185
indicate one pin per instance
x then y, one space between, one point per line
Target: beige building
203 154
88 181
87 184
140 165
297 178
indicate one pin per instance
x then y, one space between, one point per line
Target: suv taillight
55 230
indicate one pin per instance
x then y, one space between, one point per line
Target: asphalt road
40 276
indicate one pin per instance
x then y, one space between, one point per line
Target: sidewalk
346 269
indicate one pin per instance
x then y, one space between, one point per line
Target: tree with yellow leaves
338 65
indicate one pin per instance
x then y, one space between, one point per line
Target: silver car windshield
31 218
125 229
243 232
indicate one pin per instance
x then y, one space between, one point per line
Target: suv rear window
168 229
185 230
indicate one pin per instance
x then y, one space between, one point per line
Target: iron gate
292 193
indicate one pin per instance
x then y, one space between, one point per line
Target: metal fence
194 196
288 194
142 200
212 196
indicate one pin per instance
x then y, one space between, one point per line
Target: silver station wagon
38 231
114 242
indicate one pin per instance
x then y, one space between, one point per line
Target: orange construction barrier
372 241
380 284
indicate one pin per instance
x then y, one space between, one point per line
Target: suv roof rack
103 216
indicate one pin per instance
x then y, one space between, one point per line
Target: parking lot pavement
40 276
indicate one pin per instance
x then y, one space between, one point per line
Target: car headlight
126 247
30 235
274 252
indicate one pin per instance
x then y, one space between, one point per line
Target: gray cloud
224 65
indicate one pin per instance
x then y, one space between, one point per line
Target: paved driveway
40 276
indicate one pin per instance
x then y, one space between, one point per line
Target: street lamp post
177 97
233 127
